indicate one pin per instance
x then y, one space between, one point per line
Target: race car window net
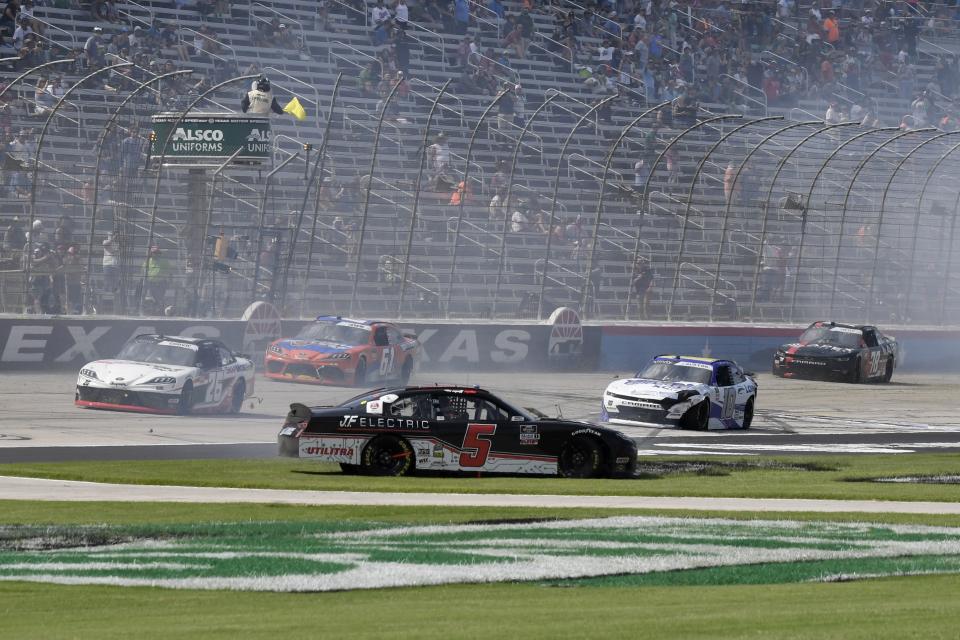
172 353
675 372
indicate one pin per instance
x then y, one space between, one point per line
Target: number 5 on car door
476 445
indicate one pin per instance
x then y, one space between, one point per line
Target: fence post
416 197
556 191
262 214
506 204
366 198
596 226
317 177
766 210
463 196
96 173
28 262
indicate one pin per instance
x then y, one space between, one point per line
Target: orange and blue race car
343 351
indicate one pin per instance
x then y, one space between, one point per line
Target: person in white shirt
379 13
22 31
519 222
401 12
833 114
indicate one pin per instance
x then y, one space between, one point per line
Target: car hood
653 389
799 350
313 346
126 372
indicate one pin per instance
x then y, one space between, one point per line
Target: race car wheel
186 399
237 395
360 373
888 373
406 371
387 456
697 417
349 469
580 457
857 372
748 414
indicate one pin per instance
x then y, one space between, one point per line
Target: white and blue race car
683 391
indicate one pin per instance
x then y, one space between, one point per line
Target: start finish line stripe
16 488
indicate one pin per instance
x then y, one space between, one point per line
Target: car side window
226 358
415 406
724 376
451 407
738 376
380 336
489 411
870 337
208 358
394 336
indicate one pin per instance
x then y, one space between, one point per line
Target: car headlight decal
162 380
90 373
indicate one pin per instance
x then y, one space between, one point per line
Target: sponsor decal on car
363 422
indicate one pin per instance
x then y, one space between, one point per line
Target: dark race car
833 351
395 431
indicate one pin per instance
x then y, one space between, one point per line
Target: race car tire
888 373
387 456
777 371
186 399
406 371
360 373
580 457
697 417
748 414
237 395
857 373
349 469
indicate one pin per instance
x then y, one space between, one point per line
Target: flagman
259 99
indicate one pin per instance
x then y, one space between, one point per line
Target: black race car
395 431
833 351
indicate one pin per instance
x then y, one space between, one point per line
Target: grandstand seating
711 258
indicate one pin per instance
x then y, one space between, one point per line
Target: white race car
164 374
683 391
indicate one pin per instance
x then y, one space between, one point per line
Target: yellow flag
296 109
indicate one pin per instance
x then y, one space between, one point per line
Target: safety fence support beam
416 199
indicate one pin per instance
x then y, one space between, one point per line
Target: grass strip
912 607
826 477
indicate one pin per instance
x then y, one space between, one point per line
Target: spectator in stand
14 236
93 49
438 158
730 188
519 222
641 285
63 233
401 13
369 79
497 209
286 39
831 29
111 267
463 52
8 19
461 16
158 271
833 114
43 296
514 40
920 110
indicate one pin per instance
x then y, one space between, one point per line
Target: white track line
15 488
